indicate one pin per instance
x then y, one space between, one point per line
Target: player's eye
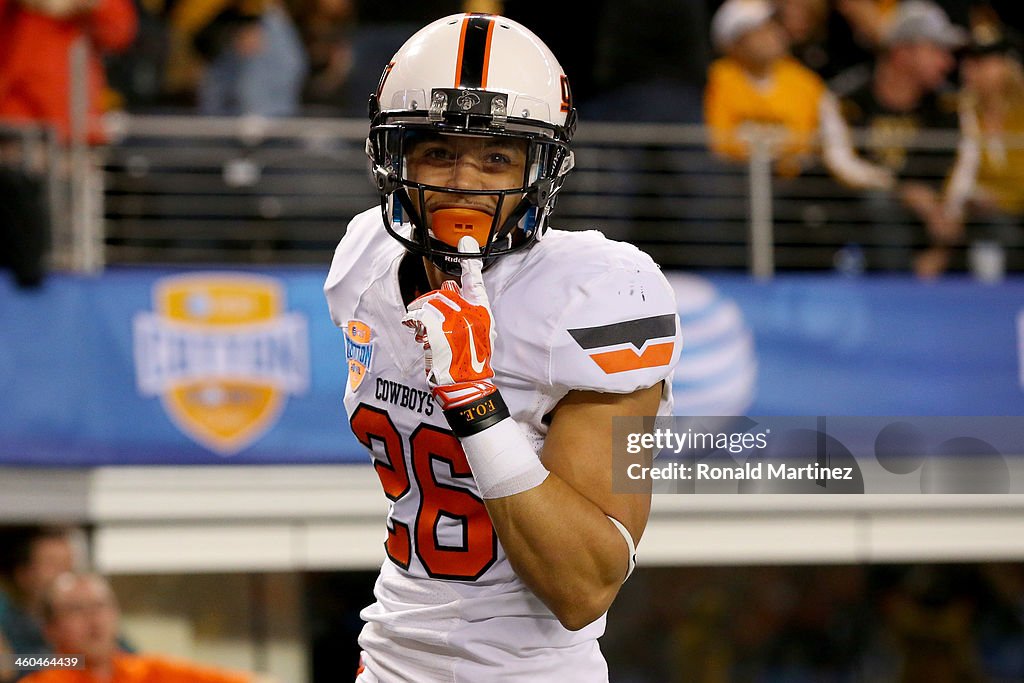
499 158
438 153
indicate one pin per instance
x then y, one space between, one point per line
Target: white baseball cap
736 17
921 21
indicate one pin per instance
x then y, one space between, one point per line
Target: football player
487 356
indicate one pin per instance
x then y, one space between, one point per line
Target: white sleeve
964 176
341 289
619 333
839 155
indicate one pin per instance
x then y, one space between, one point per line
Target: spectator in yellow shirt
758 85
988 183
758 88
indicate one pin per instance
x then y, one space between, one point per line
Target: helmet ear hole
387 181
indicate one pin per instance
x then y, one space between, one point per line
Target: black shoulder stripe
635 332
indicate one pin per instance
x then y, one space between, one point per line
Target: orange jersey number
431 447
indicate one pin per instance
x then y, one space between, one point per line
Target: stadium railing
33 152
225 190
182 189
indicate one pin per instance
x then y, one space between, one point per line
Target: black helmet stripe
474 51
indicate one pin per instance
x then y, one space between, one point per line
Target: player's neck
434 275
412 278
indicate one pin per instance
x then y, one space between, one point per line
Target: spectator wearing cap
756 83
906 92
987 186
758 88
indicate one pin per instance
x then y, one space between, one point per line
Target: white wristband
629 541
502 460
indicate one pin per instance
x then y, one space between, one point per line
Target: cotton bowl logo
358 351
221 354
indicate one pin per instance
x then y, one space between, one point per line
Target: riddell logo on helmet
221 353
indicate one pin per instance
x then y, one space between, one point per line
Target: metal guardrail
74 194
250 190
233 190
33 150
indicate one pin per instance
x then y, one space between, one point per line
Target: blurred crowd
823 624
627 59
812 73
919 623
845 86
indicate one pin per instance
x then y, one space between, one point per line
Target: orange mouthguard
450 225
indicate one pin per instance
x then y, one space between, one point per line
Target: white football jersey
574 311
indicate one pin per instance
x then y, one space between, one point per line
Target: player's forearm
563 547
562 544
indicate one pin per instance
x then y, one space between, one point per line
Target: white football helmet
459 79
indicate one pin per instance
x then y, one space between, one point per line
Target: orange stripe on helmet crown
462 47
487 54
383 78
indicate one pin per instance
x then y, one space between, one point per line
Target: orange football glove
455 327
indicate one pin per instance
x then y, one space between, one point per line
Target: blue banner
154 366
887 345
181 367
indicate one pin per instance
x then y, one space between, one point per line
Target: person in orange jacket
82 621
35 41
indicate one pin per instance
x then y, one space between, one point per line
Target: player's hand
455 326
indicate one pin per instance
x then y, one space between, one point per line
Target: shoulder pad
619 332
365 241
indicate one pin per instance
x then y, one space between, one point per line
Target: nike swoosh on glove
455 326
